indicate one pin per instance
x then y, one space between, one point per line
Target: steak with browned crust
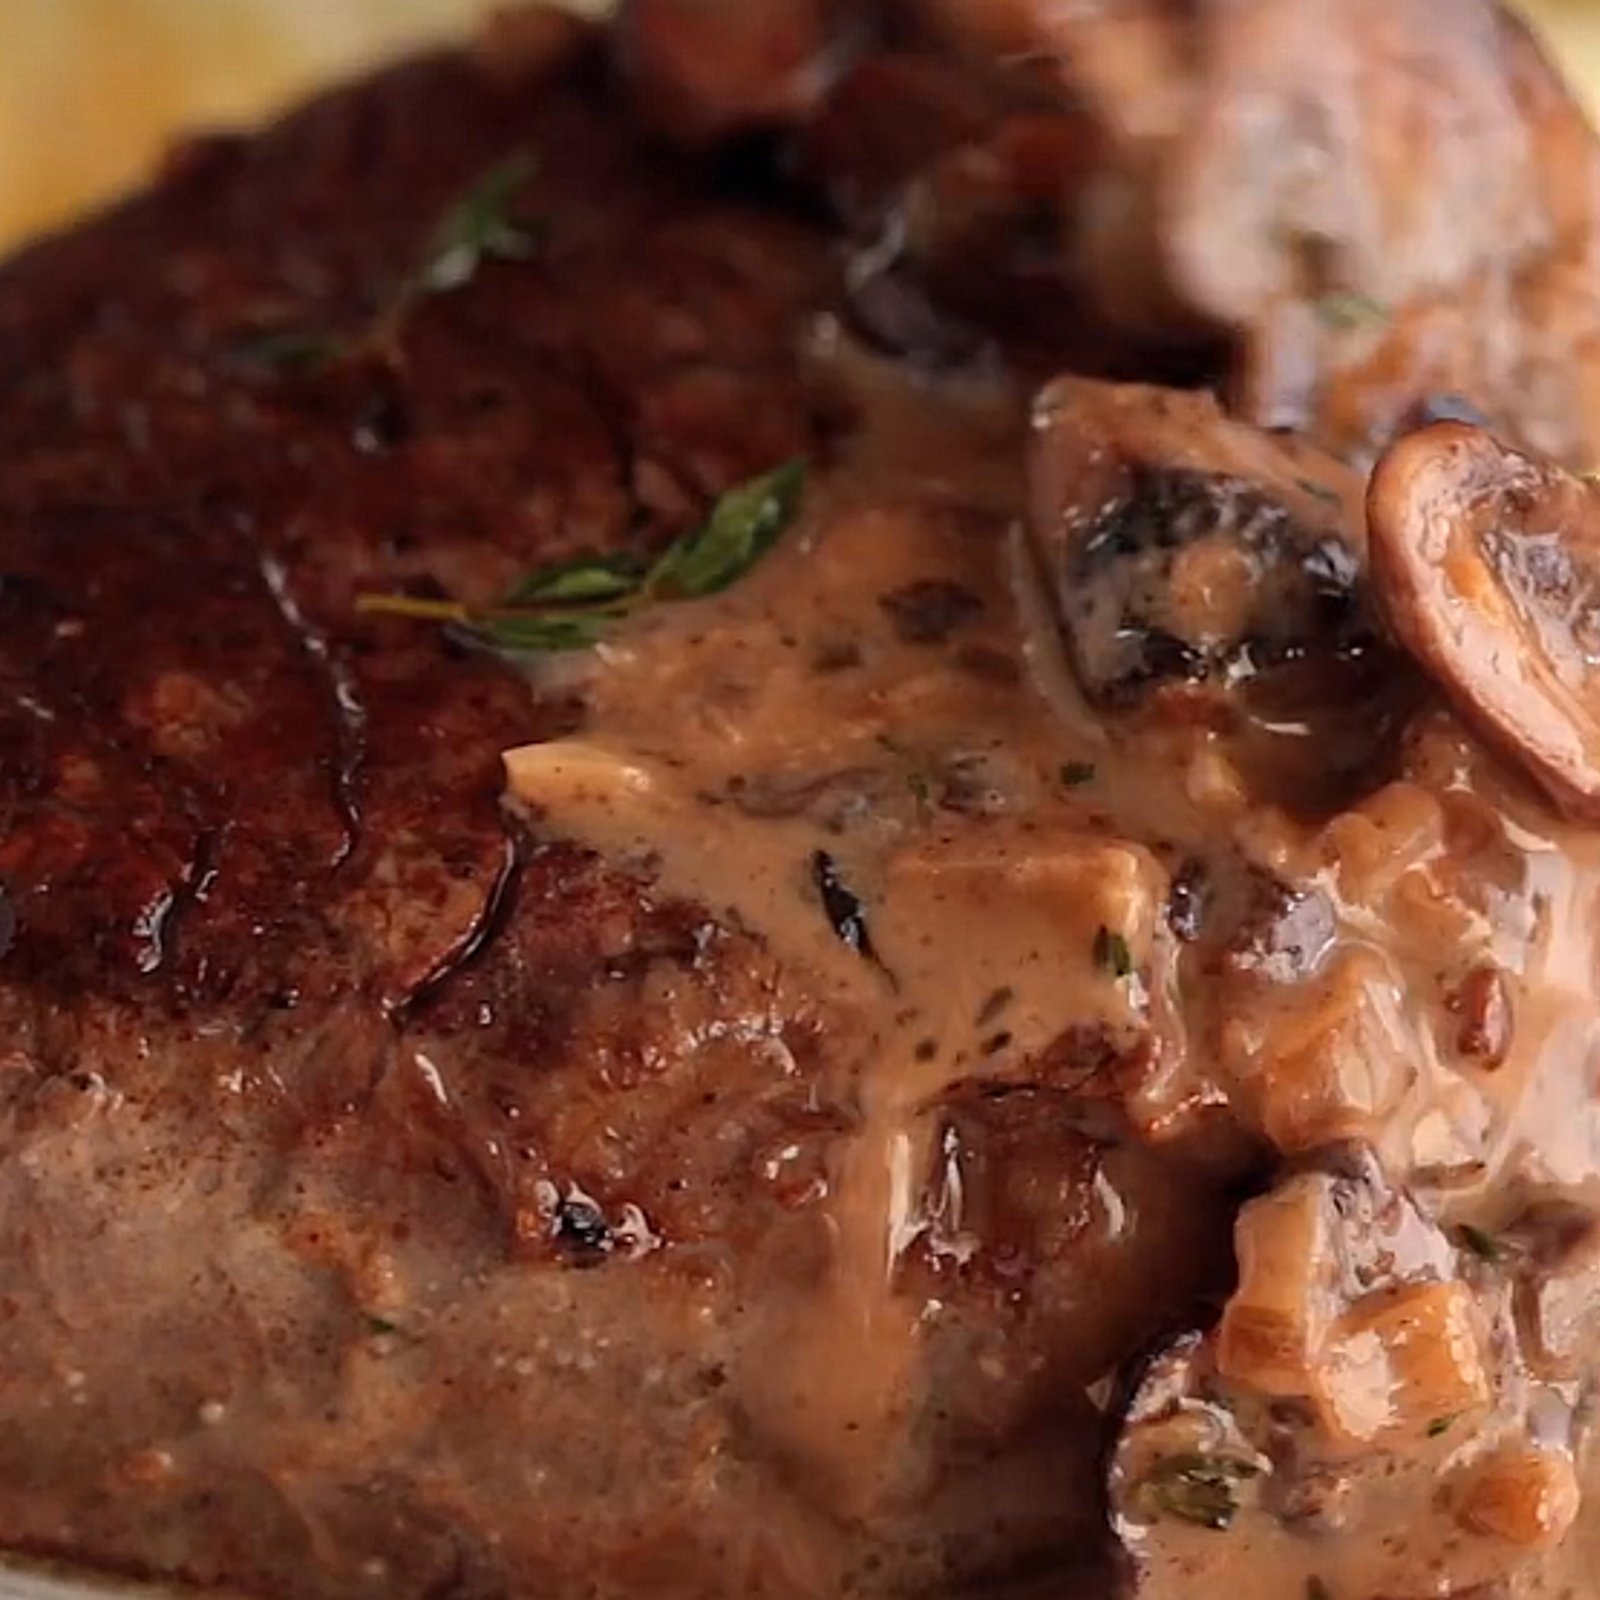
386 1196
732 1110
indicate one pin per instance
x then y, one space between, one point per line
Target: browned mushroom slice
1487 562
1177 543
957 183
1212 1487
1352 1386
1371 200
1553 1250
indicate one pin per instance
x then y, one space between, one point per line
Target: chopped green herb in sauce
1077 773
571 604
1350 311
1195 1488
1442 1425
481 227
1111 954
290 352
380 1326
996 1003
585 580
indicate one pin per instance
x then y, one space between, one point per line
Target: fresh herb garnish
571 604
1442 1425
845 913
532 634
1077 773
743 525
480 227
290 352
1200 1489
1483 1245
1349 311
379 1326
1111 953
585 580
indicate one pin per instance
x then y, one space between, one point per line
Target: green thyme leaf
378 1326
1483 1245
532 634
1347 312
290 352
518 632
481 227
586 580
571 604
1196 1488
1442 1425
1077 773
414 607
1111 953
742 527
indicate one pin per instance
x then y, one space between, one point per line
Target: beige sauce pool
1011 857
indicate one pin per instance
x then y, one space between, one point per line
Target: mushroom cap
1486 563
1179 543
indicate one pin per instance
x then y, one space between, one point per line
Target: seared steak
328 1094
718 1112
394 1200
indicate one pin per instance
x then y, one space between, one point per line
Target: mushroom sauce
1018 1016
1275 917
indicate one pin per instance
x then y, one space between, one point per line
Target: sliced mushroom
1181 1452
1487 563
1211 1489
1371 201
1554 1252
1351 1387
1344 1305
1177 543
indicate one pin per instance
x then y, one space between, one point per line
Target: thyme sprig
570 605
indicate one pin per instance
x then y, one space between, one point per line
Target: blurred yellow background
91 90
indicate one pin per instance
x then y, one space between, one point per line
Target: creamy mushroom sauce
879 719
